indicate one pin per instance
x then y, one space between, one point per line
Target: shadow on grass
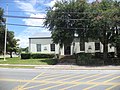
50 61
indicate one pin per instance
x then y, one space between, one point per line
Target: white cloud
31 31
35 22
51 3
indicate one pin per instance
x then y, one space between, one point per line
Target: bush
111 54
25 56
87 59
113 61
118 55
39 55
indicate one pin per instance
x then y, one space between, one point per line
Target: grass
17 60
17 67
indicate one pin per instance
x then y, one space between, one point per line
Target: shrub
97 55
118 55
111 54
25 56
39 55
87 59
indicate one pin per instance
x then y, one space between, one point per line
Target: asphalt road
49 79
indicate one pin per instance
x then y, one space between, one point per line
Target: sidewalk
68 67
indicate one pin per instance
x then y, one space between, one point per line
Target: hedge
25 56
87 59
36 55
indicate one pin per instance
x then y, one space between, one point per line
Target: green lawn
17 60
31 67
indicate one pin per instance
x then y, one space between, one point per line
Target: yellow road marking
112 79
47 76
82 79
63 79
52 86
101 82
73 77
86 77
90 87
111 87
57 77
100 77
39 76
72 81
36 86
78 80
59 82
33 79
18 88
52 77
69 87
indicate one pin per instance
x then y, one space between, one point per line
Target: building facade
46 45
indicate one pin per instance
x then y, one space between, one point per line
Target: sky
27 8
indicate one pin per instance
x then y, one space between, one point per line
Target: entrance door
67 50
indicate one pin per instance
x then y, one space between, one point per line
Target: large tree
102 15
115 26
2 29
65 19
11 41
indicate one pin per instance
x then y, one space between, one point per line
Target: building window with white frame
52 47
97 46
38 47
82 46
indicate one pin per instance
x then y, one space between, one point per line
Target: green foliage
11 41
87 59
40 55
63 26
36 55
25 56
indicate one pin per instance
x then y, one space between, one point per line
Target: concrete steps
67 59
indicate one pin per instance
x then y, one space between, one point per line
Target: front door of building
67 50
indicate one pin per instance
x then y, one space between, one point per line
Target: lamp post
5 35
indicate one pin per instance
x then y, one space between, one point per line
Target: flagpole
5 44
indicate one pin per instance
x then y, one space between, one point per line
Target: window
82 46
97 46
52 46
38 47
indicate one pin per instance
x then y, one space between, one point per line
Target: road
51 79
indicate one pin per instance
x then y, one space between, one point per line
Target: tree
11 41
115 17
2 29
101 23
12 45
65 19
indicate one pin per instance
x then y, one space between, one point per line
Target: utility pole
5 44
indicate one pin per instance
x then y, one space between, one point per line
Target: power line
40 26
28 11
23 25
10 16
63 12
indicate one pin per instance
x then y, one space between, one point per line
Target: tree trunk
105 51
10 54
105 44
117 44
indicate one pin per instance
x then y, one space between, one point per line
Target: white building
46 45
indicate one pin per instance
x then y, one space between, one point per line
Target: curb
66 67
